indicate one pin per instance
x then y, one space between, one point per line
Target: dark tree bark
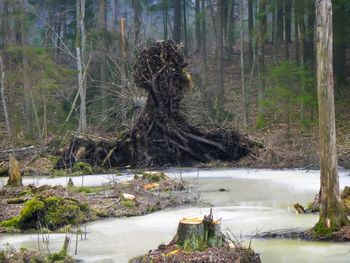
137 20
185 35
165 19
310 43
177 20
198 25
280 20
287 26
332 216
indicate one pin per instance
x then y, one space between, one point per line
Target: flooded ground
253 201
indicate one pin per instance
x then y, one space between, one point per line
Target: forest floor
59 207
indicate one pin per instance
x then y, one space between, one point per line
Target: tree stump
15 178
198 234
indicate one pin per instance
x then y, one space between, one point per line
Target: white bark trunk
81 45
3 98
244 99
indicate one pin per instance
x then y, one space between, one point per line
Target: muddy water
254 201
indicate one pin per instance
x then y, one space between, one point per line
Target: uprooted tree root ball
162 135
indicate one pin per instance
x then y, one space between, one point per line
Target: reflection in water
255 201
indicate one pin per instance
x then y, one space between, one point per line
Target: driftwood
162 135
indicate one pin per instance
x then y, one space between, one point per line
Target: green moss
52 212
86 189
60 173
82 168
60 256
154 177
261 121
194 244
321 231
2 256
128 203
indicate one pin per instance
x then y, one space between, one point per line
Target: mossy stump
15 178
198 234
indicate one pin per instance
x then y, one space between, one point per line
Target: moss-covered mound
49 212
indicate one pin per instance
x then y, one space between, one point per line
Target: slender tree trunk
102 26
220 55
301 28
185 35
3 98
288 26
81 44
165 19
296 32
261 60
204 37
137 20
332 216
177 20
280 20
230 27
310 45
26 86
251 31
243 94
198 25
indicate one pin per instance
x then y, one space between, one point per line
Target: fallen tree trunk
162 135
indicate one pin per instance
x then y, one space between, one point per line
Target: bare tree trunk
185 28
251 29
280 20
165 19
177 20
102 26
3 98
81 44
220 94
261 61
332 216
287 26
137 20
244 99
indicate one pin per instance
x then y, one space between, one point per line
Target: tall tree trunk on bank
177 20
80 48
332 216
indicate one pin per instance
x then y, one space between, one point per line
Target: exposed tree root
161 136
